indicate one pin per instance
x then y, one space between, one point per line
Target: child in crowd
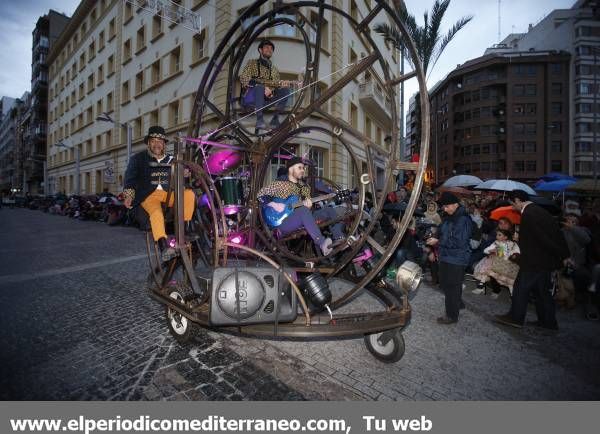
499 263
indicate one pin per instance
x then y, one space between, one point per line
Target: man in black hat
543 250
146 184
301 217
261 85
454 253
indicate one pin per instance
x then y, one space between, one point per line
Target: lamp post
105 117
596 51
77 165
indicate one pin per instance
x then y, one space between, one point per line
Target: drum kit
230 187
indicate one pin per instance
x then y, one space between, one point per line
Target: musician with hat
261 84
301 217
147 182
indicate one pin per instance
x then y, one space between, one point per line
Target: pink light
172 242
237 238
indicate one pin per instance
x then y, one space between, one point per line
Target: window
324 30
140 42
585 89
368 127
317 156
583 127
531 166
101 41
555 68
556 88
109 102
81 91
353 10
108 142
90 83
89 115
157 27
126 51
82 61
155 72
139 82
98 142
98 107
111 29
125 92
519 166
100 77
583 70
583 146
111 65
583 108
199 46
556 108
137 127
154 120
556 166
285 29
530 90
175 60
556 146
127 12
353 115
92 50
174 118
519 89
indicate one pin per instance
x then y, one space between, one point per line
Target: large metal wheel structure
218 127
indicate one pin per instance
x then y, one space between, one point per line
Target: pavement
77 324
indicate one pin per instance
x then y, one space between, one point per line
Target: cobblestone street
77 324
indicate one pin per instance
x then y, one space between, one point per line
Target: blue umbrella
555 186
556 176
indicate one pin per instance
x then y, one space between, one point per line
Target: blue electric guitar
273 218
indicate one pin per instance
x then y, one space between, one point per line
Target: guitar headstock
342 196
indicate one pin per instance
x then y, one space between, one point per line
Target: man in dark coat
147 182
543 250
455 251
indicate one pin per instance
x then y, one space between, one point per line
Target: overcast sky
18 18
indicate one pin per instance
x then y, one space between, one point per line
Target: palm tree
428 39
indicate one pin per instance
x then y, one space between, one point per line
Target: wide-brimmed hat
156 132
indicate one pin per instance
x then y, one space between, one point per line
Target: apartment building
576 31
502 115
118 58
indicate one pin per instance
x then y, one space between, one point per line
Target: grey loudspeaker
262 293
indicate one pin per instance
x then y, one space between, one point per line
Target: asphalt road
77 324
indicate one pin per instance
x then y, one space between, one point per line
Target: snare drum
231 192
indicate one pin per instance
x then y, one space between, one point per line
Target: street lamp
77 165
105 117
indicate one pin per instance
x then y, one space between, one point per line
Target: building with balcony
141 69
502 115
576 31
33 125
11 110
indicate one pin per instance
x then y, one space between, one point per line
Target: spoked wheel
387 346
180 327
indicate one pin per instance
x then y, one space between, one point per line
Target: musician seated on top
261 85
146 184
288 218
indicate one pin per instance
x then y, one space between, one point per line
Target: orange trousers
153 206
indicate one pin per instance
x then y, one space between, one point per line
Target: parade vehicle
237 272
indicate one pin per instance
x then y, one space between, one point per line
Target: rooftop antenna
499 20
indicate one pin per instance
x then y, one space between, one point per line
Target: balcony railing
371 95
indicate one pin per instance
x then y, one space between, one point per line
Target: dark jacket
543 246
454 235
143 179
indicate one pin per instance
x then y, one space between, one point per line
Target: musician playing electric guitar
301 216
261 84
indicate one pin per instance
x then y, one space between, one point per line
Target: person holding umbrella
454 253
543 250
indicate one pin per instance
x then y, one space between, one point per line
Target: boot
167 252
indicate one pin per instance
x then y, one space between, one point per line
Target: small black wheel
181 327
387 346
